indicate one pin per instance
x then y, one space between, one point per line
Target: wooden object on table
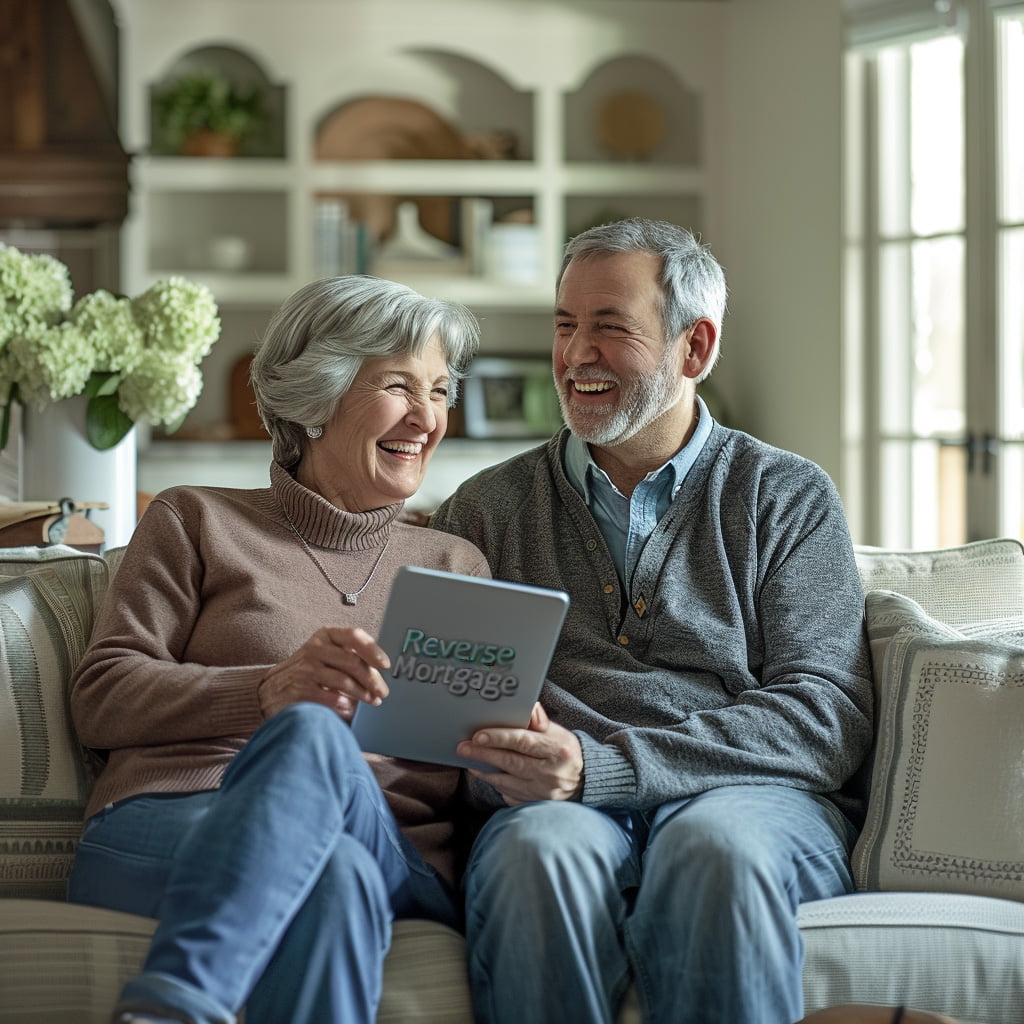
42 523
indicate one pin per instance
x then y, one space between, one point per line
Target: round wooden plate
631 124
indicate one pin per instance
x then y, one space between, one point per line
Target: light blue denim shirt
626 523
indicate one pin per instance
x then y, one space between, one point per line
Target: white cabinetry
542 72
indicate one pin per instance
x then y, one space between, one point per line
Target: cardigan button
623 639
591 544
608 588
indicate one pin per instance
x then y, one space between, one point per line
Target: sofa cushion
956 955
947 793
65 963
47 602
972 583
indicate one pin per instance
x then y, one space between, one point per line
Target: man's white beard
648 398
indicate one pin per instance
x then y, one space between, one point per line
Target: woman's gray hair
692 281
316 342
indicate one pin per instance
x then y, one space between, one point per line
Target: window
934 275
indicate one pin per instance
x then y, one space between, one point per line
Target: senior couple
682 786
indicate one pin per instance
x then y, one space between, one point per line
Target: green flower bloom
160 390
107 321
34 288
50 363
178 317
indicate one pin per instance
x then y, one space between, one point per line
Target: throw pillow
946 809
44 773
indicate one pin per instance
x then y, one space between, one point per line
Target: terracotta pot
207 143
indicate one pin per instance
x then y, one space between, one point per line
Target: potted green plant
206 114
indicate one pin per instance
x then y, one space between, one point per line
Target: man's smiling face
613 370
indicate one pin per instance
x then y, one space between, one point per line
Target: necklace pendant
349 598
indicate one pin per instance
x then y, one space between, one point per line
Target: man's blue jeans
567 906
276 891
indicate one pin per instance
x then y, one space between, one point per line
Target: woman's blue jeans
275 892
695 905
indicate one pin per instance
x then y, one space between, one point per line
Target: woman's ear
699 343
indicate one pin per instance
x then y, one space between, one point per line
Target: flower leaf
105 423
102 384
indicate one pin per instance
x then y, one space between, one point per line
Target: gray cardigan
749 662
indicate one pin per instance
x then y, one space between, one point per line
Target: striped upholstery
65 964
46 613
961 955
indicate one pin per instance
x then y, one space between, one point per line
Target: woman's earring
314 432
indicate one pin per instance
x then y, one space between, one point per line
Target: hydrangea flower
160 389
108 323
50 363
34 288
145 351
178 317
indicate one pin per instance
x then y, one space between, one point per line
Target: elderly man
679 790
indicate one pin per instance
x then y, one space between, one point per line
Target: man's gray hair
316 342
692 281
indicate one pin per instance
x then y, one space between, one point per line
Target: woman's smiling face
375 449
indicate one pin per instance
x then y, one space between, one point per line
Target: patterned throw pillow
946 811
45 618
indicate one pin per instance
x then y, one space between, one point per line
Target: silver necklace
347 598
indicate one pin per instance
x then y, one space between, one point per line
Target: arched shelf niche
635 109
449 118
245 74
479 92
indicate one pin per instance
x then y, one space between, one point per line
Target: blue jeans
275 892
567 906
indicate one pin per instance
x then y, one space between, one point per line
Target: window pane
923 500
1011 514
921 338
1011 355
921 138
1010 30
893 113
936 136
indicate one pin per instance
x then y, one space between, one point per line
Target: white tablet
465 653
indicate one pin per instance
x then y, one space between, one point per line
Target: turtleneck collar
323 524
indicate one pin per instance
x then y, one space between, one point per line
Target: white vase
57 461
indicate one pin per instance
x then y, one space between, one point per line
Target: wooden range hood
61 162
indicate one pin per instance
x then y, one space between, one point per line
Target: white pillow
946 808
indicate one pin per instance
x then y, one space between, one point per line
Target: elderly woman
234 644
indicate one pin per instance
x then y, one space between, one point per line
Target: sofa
938 919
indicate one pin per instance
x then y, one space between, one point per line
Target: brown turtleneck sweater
215 588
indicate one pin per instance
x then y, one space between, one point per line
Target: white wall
780 224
